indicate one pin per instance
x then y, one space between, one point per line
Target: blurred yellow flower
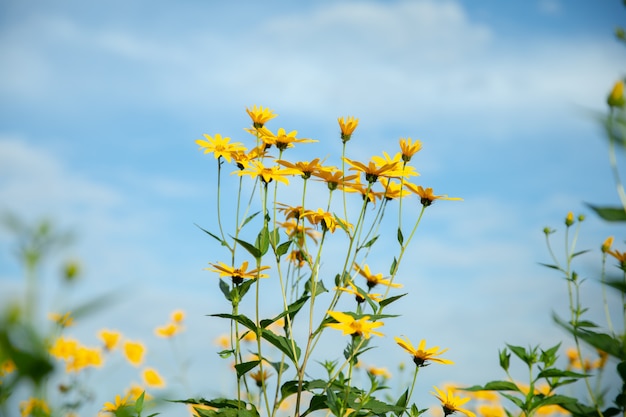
135 391
372 170
7 367
606 246
223 341
357 295
383 372
166 331
35 407
152 378
259 377
347 127
490 410
134 352
120 402
178 316
298 232
64 348
62 320
84 357
219 146
110 338
421 355
451 403
349 325
616 97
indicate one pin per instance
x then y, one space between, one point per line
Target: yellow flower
243 158
110 338
291 212
166 331
379 372
354 327
135 392
152 378
451 403
120 402
257 169
347 127
393 190
260 377
223 341
282 139
134 352
220 146
373 280
421 355
7 367
298 257
620 256
569 219
401 169
606 246
178 316
304 168
63 320
84 357
372 170
238 274
357 295
34 407
64 348
298 232
409 148
616 98
426 195
326 219
490 410
333 177
366 192
260 115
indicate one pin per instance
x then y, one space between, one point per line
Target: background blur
100 104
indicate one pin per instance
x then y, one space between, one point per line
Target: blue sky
100 106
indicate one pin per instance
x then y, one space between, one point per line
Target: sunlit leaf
243 368
610 214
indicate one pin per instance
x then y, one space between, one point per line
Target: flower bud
569 219
616 98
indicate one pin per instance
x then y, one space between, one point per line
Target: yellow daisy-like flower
178 316
349 325
304 168
347 127
393 190
426 195
238 274
357 295
401 169
152 378
64 348
281 139
422 355
326 219
260 377
409 148
368 193
257 169
242 158
134 352
298 232
333 177
452 403
260 115
291 212
373 280
219 146
120 402
110 338
372 170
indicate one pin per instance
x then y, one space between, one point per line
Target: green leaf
225 288
550 266
521 353
621 370
250 217
291 387
610 214
602 341
370 242
219 239
555 399
274 237
387 301
394 265
619 285
262 242
139 403
239 318
557 373
292 310
254 251
243 368
283 248
402 401
283 344
400 236
227 353
580 253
